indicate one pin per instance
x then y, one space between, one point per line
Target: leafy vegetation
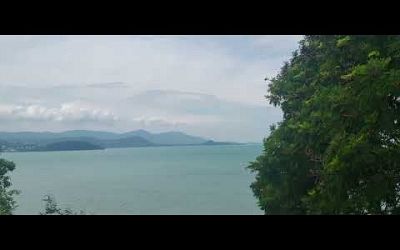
7 202
52 208
337 150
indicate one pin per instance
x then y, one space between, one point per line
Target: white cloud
68 112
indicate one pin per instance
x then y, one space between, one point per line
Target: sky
209 86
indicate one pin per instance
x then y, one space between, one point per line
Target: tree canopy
52 208
7 203
337 150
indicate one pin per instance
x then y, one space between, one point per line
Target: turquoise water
153 180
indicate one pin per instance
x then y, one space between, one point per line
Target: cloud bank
205 85
66 112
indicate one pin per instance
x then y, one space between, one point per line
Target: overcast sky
210 86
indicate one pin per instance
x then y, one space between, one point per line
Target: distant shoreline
152 146
76 140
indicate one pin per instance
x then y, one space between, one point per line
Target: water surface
150 180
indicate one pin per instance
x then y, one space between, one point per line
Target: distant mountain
45 137
89 133
76 139
68 146
168 138
142 133
27 137
133 141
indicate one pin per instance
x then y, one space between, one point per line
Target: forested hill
170 138
77 139
68 145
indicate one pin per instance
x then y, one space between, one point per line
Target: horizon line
119 133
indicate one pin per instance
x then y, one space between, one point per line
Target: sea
170 180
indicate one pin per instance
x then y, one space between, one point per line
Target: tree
51 208
337 150
7 203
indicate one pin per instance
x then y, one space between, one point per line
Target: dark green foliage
51 208
7 203
337 150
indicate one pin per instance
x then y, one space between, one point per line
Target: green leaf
373 53
343 41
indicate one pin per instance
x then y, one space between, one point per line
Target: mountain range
87 140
